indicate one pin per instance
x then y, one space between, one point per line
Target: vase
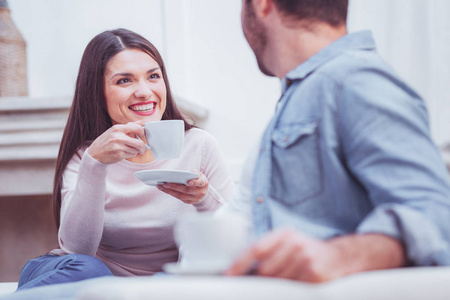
13 56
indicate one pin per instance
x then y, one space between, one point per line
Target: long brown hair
88 117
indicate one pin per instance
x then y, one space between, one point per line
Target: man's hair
332 12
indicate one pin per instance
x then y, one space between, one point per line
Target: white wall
57 32
210 63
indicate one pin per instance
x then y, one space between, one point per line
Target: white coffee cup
165 138
211 242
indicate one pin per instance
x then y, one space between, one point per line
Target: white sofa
7 288
399 284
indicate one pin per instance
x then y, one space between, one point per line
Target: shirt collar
355 41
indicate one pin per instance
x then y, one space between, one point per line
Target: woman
112 221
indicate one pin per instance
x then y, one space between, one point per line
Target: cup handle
144 142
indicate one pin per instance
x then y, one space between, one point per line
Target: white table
399 284
404 284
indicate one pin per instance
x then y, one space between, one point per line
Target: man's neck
293 46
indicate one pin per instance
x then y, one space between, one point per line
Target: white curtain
414 37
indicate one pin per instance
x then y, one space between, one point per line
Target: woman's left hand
190 194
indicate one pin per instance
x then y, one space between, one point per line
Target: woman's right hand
118 143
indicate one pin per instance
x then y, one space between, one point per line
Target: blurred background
211 69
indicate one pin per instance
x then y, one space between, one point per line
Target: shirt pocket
296 163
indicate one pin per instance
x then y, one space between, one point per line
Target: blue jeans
52 269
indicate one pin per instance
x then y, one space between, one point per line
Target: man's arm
291 255
388 148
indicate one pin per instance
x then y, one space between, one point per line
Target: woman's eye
155 76
123 80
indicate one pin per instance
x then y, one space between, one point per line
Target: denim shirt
349 151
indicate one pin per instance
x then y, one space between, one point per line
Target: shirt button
260 199
261 150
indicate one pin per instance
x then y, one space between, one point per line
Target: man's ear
262 7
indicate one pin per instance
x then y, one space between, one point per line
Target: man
347 162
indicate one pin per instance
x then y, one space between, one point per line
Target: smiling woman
134 88
109 221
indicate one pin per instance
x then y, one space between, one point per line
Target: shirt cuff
423 242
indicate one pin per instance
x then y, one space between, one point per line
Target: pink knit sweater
108 213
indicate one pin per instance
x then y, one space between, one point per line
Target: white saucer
155 177
176 269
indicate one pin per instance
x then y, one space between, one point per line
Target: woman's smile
143 108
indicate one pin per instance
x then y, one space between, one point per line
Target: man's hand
288 254
291 255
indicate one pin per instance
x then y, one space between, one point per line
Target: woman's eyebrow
153 70
131 74
121 74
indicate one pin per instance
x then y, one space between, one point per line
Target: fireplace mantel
30 133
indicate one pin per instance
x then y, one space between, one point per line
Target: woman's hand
190 194
118 143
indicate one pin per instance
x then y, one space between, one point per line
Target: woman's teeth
146 107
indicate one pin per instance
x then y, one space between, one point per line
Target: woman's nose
142 91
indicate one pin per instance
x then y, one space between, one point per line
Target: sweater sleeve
82 207
217 172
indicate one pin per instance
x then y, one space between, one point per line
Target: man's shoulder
352 64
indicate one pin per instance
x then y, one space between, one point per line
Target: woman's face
134 88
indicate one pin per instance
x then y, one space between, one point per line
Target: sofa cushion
7 288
